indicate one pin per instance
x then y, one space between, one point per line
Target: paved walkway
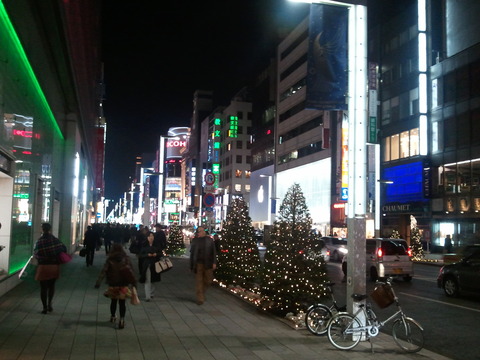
172 326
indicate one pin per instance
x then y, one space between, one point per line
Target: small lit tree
238 261
175 242
292 279
395 234
416 240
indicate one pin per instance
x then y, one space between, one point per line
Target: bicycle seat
359 297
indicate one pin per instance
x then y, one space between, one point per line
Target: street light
357 139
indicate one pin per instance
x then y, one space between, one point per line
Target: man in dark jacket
91 242
160 240
203 261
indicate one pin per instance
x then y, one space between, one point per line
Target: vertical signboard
327 58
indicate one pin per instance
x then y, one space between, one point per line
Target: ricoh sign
175 148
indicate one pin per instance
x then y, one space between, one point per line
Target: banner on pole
327 64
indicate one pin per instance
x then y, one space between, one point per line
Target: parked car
463 275
459 254
386 258
336 246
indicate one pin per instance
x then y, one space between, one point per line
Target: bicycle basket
383 296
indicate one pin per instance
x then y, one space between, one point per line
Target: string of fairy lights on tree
238 261
293 277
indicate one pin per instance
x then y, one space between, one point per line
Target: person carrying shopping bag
149 255
119 274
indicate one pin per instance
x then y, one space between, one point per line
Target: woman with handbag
119 273
149 254
46 251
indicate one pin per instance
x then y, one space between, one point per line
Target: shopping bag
82 252
64 258
134 300
164 264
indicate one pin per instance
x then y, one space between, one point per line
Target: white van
389 257
386 257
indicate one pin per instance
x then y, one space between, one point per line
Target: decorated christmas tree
416 240
395 234
292 278
175 242
238 261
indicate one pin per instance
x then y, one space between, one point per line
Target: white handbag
164 264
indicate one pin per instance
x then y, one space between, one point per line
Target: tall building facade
303 153
452 177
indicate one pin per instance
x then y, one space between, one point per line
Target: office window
247 187
239 144
238 173
238 187
414 142
247 174
386 149
395 147
239 159
404 144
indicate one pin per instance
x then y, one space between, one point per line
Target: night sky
156 54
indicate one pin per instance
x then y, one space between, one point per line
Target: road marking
441 302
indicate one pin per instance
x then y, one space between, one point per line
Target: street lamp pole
357 139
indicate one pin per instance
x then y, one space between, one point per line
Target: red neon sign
23 133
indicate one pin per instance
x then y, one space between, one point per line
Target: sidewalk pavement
171 326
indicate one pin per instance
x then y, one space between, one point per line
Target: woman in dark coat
149 255
46 251
119 273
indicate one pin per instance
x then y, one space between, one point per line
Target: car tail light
328 252
409 252
301 252
379 253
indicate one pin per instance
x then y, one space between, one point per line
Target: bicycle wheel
317 318
341 331
408 335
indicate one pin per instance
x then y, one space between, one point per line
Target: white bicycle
345 330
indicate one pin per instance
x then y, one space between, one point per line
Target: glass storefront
462 232
28 134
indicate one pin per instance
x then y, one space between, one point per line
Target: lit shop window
401 146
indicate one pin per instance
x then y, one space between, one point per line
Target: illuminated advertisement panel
174 148
173 184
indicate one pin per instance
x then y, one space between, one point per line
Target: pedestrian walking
203 261
160 239
119 274
91 241
46 251
149 254
108 238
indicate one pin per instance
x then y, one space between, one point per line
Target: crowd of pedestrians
118 271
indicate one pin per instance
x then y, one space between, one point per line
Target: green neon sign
7 29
